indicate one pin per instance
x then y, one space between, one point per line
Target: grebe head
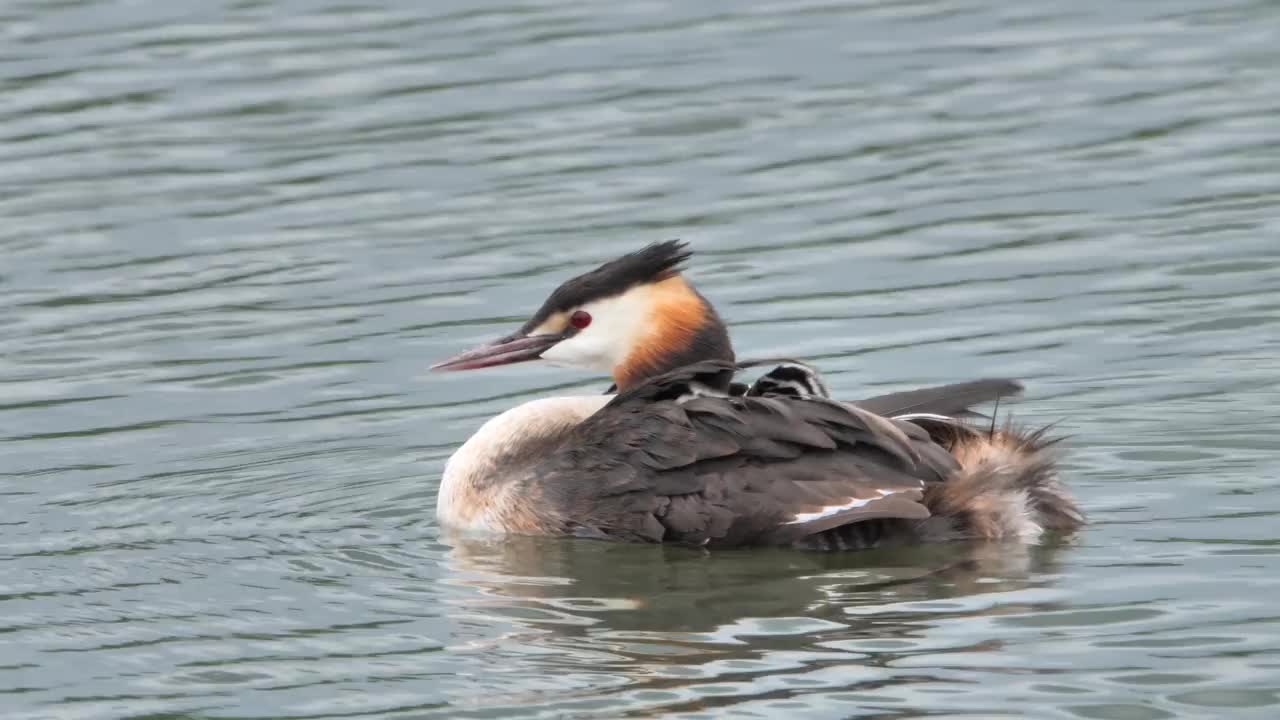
634 317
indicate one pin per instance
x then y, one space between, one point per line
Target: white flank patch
830 510
925 416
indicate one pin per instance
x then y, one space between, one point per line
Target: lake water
235 235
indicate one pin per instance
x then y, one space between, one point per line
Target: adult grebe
683 453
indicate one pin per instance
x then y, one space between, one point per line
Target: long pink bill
511 349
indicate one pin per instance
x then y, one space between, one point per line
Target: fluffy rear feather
1007 486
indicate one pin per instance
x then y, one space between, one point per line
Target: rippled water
236 233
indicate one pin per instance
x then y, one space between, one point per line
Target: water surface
236 234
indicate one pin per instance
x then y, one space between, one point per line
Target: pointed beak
513 348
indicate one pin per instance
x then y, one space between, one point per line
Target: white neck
472 493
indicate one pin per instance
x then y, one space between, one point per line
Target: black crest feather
652 263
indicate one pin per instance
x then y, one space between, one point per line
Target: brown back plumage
661 463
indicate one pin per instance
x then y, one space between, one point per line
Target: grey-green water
236 233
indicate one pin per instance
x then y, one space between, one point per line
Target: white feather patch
925 416
697 390
830 510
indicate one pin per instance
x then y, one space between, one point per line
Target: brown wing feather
659 464
954 400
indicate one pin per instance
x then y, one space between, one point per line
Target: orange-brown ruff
683 454
677 314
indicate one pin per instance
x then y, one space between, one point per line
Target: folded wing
948 400
668 461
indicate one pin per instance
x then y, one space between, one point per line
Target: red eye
580 319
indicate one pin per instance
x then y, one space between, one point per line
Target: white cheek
582 351
615 324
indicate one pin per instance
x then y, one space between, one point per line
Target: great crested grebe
682 453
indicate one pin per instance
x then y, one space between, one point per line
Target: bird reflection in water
663 617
